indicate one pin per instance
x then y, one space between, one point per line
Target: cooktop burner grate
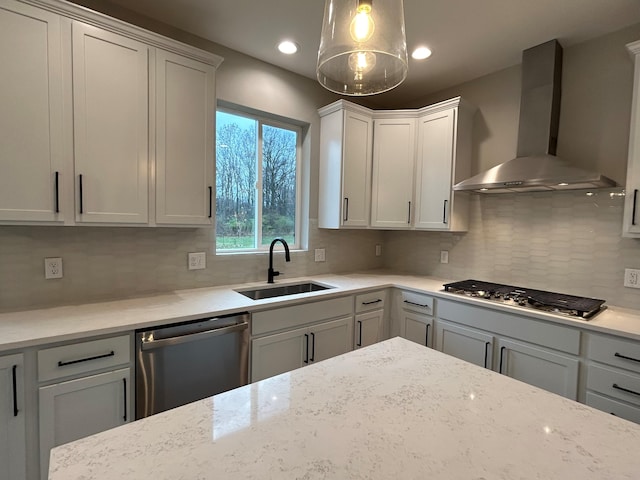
537 299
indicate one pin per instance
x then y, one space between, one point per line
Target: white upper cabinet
443 158
185 112
631 219
393 172
31 137
111 129
346 142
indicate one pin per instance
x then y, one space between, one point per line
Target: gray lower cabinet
538 353
282 352
415 311
368 328
12 418
84 388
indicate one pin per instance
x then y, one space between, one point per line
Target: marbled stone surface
392 410
40 327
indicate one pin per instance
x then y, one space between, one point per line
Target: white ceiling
469 38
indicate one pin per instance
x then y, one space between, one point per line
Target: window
257 182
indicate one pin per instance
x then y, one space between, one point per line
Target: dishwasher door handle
191 337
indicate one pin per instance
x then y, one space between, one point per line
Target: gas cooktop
558 303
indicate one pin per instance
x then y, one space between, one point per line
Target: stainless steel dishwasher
178 364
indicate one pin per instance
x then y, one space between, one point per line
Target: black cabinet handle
372 302
210 202
486 353
409 215
444 212
80 193
306 350
88 359
57 188
625 357
345 205
15 391
416 304
618 387
124 384
633 211
501 358
359 343
426 337
313 347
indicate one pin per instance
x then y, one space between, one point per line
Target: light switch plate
444 256
197 261
319 255
52 268
378 250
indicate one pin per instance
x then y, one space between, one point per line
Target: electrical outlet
52 268
444 256
378 250
197 261
631 278
319 255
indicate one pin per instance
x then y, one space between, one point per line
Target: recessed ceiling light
288 47
421 53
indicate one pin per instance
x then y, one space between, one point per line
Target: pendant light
363 48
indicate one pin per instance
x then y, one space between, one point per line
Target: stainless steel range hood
536 168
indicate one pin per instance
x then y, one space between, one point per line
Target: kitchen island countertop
391 410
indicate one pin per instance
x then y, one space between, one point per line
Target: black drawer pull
618 387
426 336
80 193
88 359
15 391
345 209
444 212
57 187
306 354
313 347
416 304
371 303
359 344
633 212
625 357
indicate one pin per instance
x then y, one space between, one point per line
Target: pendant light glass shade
363 48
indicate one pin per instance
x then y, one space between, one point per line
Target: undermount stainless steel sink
282 290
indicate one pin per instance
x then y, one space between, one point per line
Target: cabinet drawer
614 383
619 409
371 301
299 315
83 357
417 302
615 351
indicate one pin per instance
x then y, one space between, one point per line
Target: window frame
265 119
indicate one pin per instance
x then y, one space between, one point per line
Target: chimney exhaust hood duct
536 168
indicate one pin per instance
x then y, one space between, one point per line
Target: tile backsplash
103 263
568 242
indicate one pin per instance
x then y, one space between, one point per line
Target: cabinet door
330 339
356 170
110 100
417 328
79 408
31 114
12 418
276 354
631 216
393 161
185 112
368 328
465 343
433 170
539 367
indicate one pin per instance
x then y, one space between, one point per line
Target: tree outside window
257 182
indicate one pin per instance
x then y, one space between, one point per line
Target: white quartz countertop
391 410
38 327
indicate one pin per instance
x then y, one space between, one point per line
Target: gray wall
568 242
